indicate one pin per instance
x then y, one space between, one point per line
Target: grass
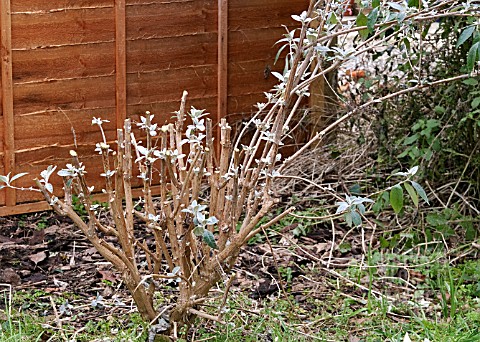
437 301
342 313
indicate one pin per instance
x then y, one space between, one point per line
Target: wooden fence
66 61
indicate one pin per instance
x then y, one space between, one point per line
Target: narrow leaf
17 176
413 194
396 6
372 19
475 102
396 198
209 239
472 56
420 191
467 33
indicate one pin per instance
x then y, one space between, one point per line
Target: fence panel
66 61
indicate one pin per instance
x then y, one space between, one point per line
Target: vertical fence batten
222 72
120 63
7 96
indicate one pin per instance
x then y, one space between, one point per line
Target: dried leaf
38 257
108 275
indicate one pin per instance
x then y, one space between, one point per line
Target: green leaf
410 140
375 3
475 102
384 243
356 219
467 33
372 19
470 231
362 20
355 189
414 3
209 239
396 198
348 218
386 198
333 19
470 81
377 207
199 231
420 191
344 247
435 219
413 194
472 56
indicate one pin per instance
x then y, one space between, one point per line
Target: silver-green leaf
209 239
420 191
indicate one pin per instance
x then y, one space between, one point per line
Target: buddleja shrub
196 242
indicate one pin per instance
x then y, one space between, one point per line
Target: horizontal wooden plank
254 44
29 6
169 84
171 18
24 208
41 205
247 14
57 5
61 128
82 93
250 77
242 106
95 25
64 62
34 162
171 52
142 55
62 28
56 128
98 58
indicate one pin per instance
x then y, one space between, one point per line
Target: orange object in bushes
355 74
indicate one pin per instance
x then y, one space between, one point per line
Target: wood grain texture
222 65
7 97
64 56
120 63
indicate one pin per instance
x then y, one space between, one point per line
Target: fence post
120 63
7 97
222 71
